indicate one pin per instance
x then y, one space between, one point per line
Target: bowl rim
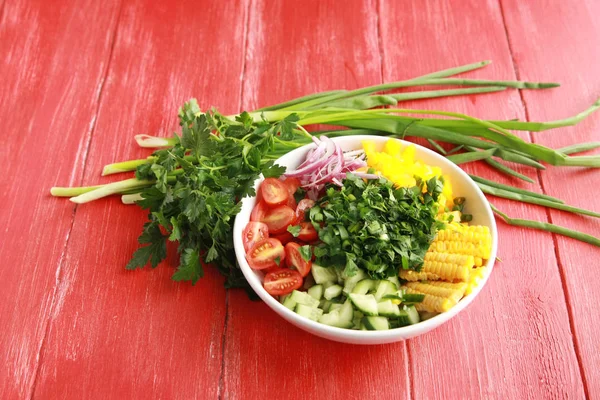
358 335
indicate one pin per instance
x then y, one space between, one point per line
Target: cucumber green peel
250 142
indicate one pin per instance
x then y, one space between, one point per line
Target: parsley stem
131 198
109 189
72 191
154 141
548 227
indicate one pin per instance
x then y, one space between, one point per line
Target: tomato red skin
259 211
291 203
308 233
294 259
292 185
294 281
278 219
303 205
253 233
257 259
274 192
284 237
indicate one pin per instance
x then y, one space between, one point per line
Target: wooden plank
52 66
123 334
514 341
289 56
553 42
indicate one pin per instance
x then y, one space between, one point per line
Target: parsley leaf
305 252
190 268
294 230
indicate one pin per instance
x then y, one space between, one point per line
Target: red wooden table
79 78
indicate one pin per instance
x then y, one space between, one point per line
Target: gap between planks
221 386
557 255
86 150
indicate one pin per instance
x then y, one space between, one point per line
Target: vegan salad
366 239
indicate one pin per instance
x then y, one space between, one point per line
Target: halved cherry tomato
253 233
294 259
263 254
292 184
278 219
303 205
259 211
274 192
282 281
291 203
284 237
308 233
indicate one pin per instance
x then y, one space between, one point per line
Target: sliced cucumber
394 280
327 284
309 312
364 286
340 317
304 298
384 287
335 306
347 311
325 304
376 323
316 291
351 281
332 291
322 274
402 319
289 303
388 309
413 315
357 319
365 303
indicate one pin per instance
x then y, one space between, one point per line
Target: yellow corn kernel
478 261
477 275
431 303
413 276
447 270
452 294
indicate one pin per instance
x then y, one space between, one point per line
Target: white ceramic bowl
462 185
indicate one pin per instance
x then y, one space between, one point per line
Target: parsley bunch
375 226
198 185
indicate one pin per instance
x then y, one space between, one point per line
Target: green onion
524 198
579 147
471 156
548 227
487 182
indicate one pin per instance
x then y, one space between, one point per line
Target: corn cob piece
462 239
459 259
449 285
431 303
413 276
450 293
449 271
